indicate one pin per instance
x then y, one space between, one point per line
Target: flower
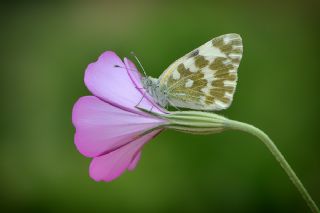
112 130
109 128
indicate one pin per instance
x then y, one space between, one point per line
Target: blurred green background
45 49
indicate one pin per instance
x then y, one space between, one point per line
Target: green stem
277 154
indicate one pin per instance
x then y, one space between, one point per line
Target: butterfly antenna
134 55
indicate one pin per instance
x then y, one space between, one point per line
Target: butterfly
204 79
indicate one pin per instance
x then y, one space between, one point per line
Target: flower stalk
197 122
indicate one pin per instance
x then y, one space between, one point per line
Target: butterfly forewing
205 78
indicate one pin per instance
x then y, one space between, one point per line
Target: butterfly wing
205 78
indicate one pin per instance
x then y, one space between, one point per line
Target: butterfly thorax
157 92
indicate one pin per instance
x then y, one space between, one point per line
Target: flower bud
195 122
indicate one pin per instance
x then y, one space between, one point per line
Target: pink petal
134 161
109 166
135 76
102 127
113 84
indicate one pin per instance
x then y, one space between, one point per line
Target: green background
45 49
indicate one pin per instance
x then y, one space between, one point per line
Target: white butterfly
204 79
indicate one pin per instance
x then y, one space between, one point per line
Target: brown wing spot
222 70
182 69
231 47
229 89
236 42
219 94
209 100
218 63
218 83
218 42
216 96
235 60
227 48
225 100
237 50
200 81
200 61
229 77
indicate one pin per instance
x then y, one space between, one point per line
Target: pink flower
109 127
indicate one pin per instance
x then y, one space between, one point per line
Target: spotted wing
205 78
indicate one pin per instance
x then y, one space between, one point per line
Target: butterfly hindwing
205 78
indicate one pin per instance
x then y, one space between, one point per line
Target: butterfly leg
174 106
151 109
137 105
